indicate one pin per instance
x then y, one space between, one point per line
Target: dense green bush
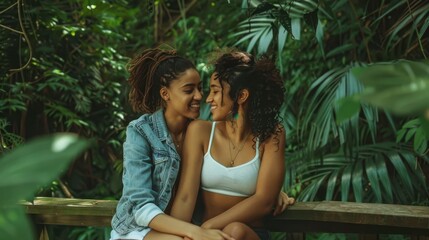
70 76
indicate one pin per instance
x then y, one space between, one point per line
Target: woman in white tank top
239 160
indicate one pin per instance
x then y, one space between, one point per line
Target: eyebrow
192 84
214 86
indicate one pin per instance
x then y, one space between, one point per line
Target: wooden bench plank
71 206
71 211
391 215
325 216
387 218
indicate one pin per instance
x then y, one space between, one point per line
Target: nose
198 96
209 98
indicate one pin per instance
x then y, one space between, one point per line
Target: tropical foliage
350 66
342 146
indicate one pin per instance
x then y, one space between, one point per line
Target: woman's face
184 95
220 102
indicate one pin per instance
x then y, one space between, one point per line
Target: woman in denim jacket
167 88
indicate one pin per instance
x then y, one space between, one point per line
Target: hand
209 234
243 56
283 202
207 225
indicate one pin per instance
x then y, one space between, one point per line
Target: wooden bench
302 217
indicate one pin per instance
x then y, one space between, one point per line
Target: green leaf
14 223
35 163
371 171
402 170
285 21
420 142
357 181
265 41
263 7
296 28
402 87
331 185
320 36
383 175
347 108
345 182
424 120
340 50
410 134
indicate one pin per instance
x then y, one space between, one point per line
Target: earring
235 116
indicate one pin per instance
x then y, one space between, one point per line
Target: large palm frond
318 119
269 22
381 172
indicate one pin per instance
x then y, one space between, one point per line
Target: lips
195 106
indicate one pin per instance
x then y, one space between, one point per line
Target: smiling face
183 95
220 102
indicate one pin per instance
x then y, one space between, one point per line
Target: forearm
167 224
247 211
187 192
183 208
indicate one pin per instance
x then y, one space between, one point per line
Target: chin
216 118
193 115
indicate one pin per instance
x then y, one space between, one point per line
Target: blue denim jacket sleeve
137 177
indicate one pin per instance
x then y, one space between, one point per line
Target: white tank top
232 181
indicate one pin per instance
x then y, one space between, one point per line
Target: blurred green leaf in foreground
401 88
25 169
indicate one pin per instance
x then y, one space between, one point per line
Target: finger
285 194
284 206
278 209
226 236
291 201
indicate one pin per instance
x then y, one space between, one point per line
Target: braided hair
266 91
151 70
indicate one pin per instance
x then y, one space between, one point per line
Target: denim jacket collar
160 128
159 125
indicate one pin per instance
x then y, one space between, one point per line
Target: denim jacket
151 166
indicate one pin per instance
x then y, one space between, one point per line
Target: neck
238 129
176 125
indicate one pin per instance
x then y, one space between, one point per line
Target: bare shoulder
199 128
198 124
277 139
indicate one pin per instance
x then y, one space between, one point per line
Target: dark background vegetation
63 69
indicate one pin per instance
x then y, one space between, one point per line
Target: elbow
266 206
182 198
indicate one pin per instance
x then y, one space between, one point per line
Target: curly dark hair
149 71
266 90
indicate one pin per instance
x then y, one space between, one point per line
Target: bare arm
166 224
192 159
183 206
270 180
